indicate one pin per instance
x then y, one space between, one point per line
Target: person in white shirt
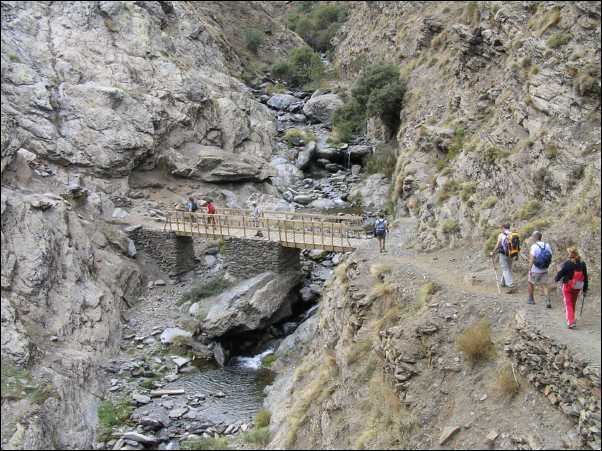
256 215
501 248
540 258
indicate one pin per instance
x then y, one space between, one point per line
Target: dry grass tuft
388 424
380 269
383 290
506 382
475 342
424 293
341 273
314 394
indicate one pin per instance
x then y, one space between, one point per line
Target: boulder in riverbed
253 304
320 108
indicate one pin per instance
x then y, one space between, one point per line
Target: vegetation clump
206 444
253 39
317 23
475 342
450 226
205 289
302 67
377 93
263 418
506 382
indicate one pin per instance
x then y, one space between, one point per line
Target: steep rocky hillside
113 112
94 96
501 117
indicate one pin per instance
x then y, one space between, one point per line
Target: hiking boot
548 303
531 301
511 290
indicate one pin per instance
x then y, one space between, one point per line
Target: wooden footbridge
297 230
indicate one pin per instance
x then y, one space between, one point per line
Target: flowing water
242 383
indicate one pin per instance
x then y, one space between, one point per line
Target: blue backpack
544 258
380 227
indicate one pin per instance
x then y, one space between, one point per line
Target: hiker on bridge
507 248
191 205
540 258
573 274
381 228
210 211
256 214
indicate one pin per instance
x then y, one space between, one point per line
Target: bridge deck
309 232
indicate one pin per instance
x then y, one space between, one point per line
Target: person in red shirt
211 210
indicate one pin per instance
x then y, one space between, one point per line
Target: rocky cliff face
94 94
501 118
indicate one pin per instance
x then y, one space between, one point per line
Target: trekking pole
497 282
582 303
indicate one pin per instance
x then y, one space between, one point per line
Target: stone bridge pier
243 258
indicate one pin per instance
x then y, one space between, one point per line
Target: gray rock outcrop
253 304
320 108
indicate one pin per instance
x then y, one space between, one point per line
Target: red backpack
577 282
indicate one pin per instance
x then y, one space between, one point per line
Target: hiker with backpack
191 205
381 228
540 258
573 274
508 249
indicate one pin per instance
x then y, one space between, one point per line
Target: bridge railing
306 232
291 215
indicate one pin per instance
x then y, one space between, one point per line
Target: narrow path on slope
451 268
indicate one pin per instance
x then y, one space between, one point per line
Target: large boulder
253 304
320 108
282 101
212 164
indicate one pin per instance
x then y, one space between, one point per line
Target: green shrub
259 436
348 121
268 361
253 39
14 381
385 103
449 188
425 292
317 23
377 93
489 203
281 70
206 444
382 161
538 224
263 418
528 210
204 290
295 137
558 40
491 240
467 189
302 66
111 414
276 88
450 226
551 151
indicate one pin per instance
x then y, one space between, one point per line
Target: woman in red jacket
573 274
